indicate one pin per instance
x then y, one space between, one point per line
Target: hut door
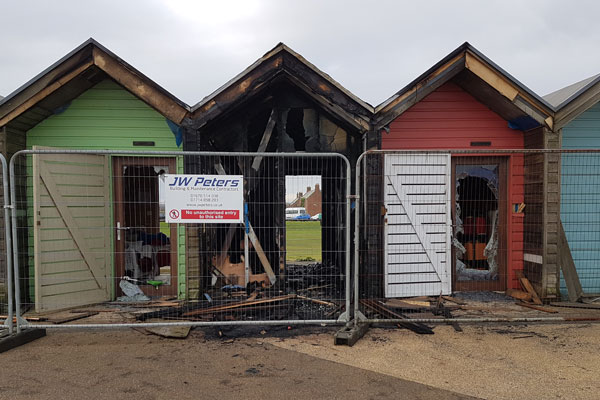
145 246
480 208
71 230
417 224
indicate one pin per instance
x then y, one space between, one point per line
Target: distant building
311 200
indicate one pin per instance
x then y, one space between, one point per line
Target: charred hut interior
281 119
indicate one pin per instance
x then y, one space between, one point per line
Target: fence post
15 246
7 244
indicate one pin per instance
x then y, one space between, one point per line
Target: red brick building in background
311 200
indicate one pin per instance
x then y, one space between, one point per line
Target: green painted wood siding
580 202
107 117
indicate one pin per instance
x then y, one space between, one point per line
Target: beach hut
578 123
73 210
465 222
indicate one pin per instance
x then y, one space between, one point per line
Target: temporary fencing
108 239
459 235
130 238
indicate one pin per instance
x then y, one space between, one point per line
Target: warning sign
203 199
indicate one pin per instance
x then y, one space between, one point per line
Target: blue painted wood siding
580 197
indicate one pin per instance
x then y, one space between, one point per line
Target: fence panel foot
350 334
21 338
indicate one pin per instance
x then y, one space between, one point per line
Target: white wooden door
417 224
72 251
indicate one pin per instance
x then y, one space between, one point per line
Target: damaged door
417 224
145 246
71 230
479 215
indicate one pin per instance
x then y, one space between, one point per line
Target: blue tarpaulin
177 131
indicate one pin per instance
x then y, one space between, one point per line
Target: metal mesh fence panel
579 235
475 235
99 242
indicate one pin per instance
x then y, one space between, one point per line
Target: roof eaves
422 77
279 48
128 66
329 79
92 43
466 47
511 78
30 82
275 50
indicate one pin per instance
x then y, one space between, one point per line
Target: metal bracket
9 206
22 322
353 196
343 317
360 316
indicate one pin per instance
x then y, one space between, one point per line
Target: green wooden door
71 230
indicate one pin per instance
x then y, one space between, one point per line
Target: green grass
303 239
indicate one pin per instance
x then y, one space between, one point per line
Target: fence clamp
353 197
9 206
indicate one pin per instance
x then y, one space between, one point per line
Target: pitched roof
573 100
477 74
76 72
282 61
561 97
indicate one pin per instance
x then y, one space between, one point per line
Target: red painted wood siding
450 118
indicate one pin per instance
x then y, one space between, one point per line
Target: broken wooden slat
265 140
567 265
538 308
261 254
518 294
527 286
316 301
239 305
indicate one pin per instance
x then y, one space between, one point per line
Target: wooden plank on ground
384 311
241 304
534 307
72 317
568 304
518 294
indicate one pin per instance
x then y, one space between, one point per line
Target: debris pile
308 291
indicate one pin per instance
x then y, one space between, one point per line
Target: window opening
303 218
476 222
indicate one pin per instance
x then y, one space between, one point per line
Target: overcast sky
372 48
